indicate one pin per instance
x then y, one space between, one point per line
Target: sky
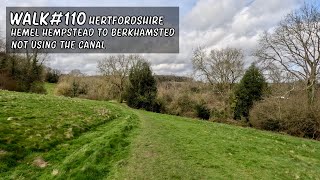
213 24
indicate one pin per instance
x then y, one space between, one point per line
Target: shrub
142 89
38 87
218 115
75 88
182 105
291 116
7 82
99 89
202 111
52 75
72 87
90 87
180 98
63 89
248 91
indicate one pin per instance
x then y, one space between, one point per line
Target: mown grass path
170 147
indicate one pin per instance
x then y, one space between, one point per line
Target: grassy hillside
171 147
55 137
49 137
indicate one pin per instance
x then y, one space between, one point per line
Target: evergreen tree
142 89
249 90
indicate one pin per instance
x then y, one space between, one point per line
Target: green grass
77 138
170 147
50 87
84 139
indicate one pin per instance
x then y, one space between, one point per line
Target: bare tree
221 67
116 69
76 73
294 46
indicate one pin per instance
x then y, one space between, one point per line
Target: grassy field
55 137
50 137
50 88
170 147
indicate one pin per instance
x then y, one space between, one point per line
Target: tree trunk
121 97
311 88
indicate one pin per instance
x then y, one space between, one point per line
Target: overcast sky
209 23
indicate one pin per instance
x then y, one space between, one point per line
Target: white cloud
212 13
261 15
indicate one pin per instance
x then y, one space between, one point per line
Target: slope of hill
55 137
170 147
48 137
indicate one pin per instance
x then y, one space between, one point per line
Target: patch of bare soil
40 162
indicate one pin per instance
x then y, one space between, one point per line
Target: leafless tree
294 47
76 73
116 69
221 67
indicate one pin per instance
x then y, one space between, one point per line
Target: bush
218 115
180 98
182 105
264 115
63 89
249 90
291 116
52 75
72 87
202 111
90 87
7 82
38 87
159 106
141 92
